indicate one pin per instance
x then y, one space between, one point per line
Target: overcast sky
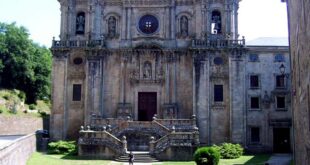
257 18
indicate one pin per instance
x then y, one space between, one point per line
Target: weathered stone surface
299 32
12 125
179 63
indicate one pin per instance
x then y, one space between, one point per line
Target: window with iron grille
218 93
254 81
77 92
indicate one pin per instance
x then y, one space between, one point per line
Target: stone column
64 21
172 21
129 23
237 97
59 112
123 24
201 94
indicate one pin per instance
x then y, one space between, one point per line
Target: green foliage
206 156
32 107
62 147
24 65
22 95
229 150
6 97
1 111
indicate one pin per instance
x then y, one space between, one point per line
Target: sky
257 18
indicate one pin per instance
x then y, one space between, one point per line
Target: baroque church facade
165 76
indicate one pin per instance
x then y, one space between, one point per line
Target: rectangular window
255 135
254 81
254 102
253 57
280 102
218 93
280 81
77 92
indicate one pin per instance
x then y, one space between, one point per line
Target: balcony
218 43
78 43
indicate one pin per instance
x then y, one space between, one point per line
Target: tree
24 65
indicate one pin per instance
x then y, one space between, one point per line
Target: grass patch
40 158
247 160
178 163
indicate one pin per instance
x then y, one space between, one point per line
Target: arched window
80 23
216 22
112 26
184 26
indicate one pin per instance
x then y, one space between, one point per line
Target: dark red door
146 106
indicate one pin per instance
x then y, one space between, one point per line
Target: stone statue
112 26
80 24
147 70
184 26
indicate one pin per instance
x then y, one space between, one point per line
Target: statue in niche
112 26
80 23
184 26
147 70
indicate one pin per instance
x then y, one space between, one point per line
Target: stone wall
299 29
18 151
15 125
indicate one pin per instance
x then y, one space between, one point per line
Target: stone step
141 157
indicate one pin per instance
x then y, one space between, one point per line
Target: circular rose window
148 24
78 61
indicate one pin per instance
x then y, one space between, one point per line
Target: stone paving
279 159
4 140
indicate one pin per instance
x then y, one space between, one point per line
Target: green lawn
43 159
246 159
39 159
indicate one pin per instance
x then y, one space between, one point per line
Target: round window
218 61
148 24
78 61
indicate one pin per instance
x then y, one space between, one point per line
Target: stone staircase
140 157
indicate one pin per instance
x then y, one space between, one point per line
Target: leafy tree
24 65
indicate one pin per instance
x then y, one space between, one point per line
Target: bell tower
221 18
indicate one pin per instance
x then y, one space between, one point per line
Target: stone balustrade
218 43
157 135
103 138
175 139
77 43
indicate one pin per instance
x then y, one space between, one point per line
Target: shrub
32 106
21 95
206 156
6 97
229 150
1 111
43 113
62 147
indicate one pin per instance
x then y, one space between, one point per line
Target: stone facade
299 32
178 60
272 117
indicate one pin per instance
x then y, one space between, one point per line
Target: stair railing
91 137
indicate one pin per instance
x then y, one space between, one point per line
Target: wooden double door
147 105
